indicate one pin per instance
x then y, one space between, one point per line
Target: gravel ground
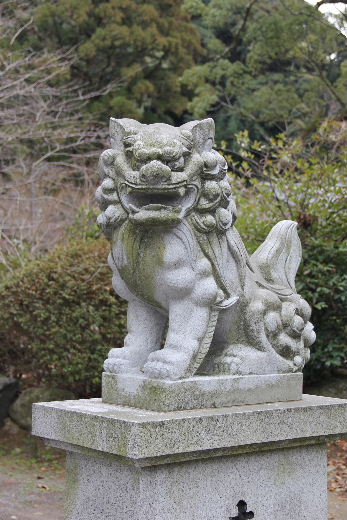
32 477
25 497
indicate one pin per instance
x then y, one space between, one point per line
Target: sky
327 8
330 9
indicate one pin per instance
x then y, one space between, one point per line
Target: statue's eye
129 150
176 165
135 164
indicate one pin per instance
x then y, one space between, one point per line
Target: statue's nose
155 172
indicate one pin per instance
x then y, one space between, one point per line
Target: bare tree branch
49 143
236 38
25 26
322 2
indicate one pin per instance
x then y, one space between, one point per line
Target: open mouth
159 206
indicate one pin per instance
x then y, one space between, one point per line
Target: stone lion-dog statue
197 302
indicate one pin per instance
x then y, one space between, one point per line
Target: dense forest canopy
266 65
143 46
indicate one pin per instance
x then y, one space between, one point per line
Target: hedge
59 316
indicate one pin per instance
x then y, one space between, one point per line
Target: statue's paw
244 360
119 366
121 360
227 365
166 364
122 353
158 370
232 360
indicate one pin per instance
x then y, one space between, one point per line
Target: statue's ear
120 128
202 132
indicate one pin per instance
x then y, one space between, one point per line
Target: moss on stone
145 252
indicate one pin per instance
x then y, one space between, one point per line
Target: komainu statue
198 304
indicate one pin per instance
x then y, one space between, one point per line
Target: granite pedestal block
126 463
198 392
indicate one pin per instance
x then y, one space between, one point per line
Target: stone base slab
198 392
145 438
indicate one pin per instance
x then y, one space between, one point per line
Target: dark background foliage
59 317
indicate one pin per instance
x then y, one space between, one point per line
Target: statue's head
157 175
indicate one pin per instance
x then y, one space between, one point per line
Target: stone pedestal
131 464
199 392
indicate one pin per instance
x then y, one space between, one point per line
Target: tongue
157 214
154 207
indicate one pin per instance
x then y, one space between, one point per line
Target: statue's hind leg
274 335
230 353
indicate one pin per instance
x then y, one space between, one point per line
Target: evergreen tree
270 66
143 47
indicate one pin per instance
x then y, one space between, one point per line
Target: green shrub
304 181
59 316
322 281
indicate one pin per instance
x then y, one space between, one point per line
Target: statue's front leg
145 332
191 326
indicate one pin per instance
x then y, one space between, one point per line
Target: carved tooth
133 208
182 192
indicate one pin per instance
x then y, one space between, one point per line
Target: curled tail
278 258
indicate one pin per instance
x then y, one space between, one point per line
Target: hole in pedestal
243 514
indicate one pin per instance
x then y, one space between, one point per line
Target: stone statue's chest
156 265
139 255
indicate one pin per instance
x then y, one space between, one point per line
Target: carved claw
157 370
121 360
227 365
245 360
117 366
166 364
